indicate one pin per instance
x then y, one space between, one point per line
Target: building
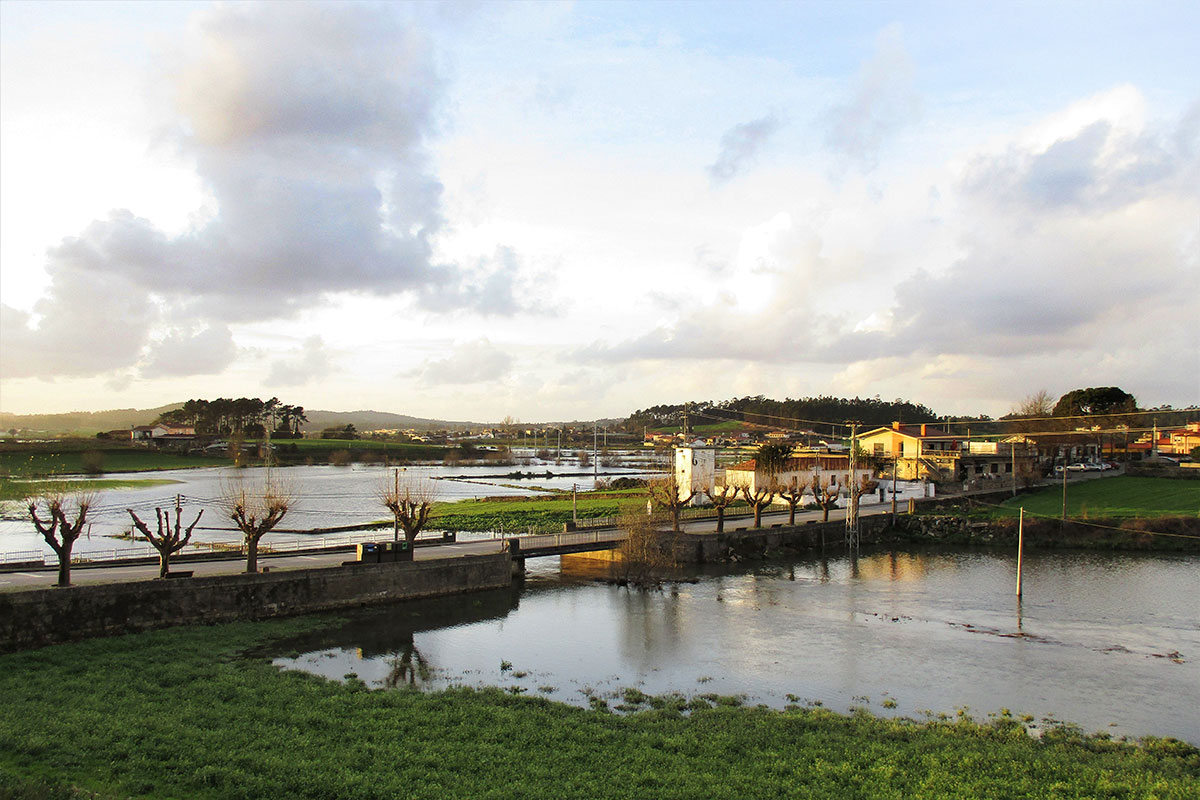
695 471
924 452
799 470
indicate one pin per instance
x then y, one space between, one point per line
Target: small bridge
557 544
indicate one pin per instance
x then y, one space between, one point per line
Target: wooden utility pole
1064 504
852 528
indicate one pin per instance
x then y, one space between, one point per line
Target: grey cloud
306 364
1096 170
476 362
307 124
500 285
884 101
205 352
739 147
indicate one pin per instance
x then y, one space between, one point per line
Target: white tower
695 469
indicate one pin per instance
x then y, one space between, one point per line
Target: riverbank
187 712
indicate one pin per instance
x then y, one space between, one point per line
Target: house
1185 439
925 452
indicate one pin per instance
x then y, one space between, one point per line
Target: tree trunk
64 566
164 563
251 554
791 515
825 508
675 519
757 515
720 519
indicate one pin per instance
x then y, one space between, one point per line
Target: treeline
790 414
243 416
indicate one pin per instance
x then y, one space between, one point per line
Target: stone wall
45 616
745 543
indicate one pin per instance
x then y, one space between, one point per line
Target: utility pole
1020 549
595 466
895 462
574 504
852 529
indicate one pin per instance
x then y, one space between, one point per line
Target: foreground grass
182 713
1111 498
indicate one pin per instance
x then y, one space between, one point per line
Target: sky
559 211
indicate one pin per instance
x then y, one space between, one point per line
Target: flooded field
1108 641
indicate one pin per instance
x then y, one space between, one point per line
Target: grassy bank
1111 498
183 713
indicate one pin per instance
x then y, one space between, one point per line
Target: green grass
521 513
1111 498
25 462
182 713
20 489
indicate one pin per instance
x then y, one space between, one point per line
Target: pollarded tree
410 500
168 540
256 513
57 529
666 492
721 497
792 494
825 496
758 499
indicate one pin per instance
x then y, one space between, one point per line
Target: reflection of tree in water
408 666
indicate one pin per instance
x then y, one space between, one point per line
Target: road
11 581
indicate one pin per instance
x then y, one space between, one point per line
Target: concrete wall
45 616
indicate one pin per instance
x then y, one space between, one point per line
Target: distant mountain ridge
91 422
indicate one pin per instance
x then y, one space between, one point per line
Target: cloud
304 365
499 285
474 362
1068 247
883 102
740 145
307 124
205 352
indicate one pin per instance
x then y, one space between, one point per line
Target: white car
1077 467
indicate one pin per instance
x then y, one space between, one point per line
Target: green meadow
200 712
1111 498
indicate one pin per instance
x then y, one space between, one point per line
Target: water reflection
1098 638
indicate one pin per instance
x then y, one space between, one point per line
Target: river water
1108 641
325 497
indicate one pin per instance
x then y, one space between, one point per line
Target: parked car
1107 465
1092 467
1076 467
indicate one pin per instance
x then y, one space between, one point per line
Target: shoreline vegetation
202 712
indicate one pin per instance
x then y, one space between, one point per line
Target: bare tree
758 499
792 494
825 496
1038 404
667 493
255 513
721 497
410 500
58 531
169 540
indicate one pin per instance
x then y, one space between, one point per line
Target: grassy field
28 461
1111 498
493 514
20 489
187 713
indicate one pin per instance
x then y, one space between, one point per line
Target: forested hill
789 413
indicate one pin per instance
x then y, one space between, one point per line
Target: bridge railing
571 539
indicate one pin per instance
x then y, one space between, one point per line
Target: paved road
120 573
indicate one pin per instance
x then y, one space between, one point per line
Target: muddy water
1108 641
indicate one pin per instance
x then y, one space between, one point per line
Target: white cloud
479 361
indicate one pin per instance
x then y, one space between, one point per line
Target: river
1109 641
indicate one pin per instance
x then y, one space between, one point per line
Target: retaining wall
738 542
46 616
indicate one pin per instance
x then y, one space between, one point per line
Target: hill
88 423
